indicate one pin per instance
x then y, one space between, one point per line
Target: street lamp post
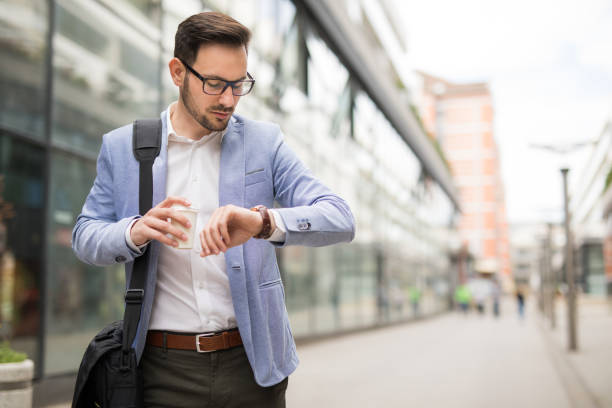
547 286
552 277
569 246
569 269
544 302
542 297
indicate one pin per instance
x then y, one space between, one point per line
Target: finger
205 249
165 227
169 213
159 236
163 213
160 213
210 242
169 201
224 229
206 232
214 230
182 219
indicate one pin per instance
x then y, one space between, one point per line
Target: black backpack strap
146 144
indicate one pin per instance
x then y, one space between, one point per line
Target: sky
549 67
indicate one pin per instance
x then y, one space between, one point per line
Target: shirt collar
174 137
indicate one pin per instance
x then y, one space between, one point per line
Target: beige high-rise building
460 119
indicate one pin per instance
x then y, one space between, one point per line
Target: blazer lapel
231 171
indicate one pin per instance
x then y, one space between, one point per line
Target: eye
215 83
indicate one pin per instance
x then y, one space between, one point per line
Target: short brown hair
208 28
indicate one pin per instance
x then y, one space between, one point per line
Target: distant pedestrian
415 297
382 302
495 294
463 297
520 300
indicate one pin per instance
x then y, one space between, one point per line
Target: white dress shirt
193 293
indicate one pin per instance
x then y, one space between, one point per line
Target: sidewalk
589 369
462 361
457 361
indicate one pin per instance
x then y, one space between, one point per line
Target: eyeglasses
216 86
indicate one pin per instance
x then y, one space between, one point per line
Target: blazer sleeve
312 213
98 237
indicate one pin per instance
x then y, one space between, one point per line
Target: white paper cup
192 216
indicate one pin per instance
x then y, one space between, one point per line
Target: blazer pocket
254 177
269 283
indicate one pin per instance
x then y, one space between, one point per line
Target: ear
177 71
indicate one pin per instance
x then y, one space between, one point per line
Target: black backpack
109 375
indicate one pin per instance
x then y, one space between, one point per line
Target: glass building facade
74 69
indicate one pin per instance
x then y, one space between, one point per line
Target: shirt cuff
128 238
279 233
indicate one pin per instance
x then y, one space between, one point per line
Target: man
225 300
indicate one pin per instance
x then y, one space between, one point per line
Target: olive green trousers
186 379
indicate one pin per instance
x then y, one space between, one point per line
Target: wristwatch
266 230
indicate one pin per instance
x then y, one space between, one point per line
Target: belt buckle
198 337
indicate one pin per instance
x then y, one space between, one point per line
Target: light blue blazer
257 167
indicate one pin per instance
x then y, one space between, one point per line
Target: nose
227 97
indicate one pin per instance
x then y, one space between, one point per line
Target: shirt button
120 258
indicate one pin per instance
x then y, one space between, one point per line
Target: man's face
218 61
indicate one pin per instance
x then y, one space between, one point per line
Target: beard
208 122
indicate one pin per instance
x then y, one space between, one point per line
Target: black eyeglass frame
202 78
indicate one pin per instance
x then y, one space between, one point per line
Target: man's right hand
155 225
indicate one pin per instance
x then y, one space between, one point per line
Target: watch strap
266 230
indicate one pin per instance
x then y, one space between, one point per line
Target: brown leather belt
202 343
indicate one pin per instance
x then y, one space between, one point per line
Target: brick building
460 118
